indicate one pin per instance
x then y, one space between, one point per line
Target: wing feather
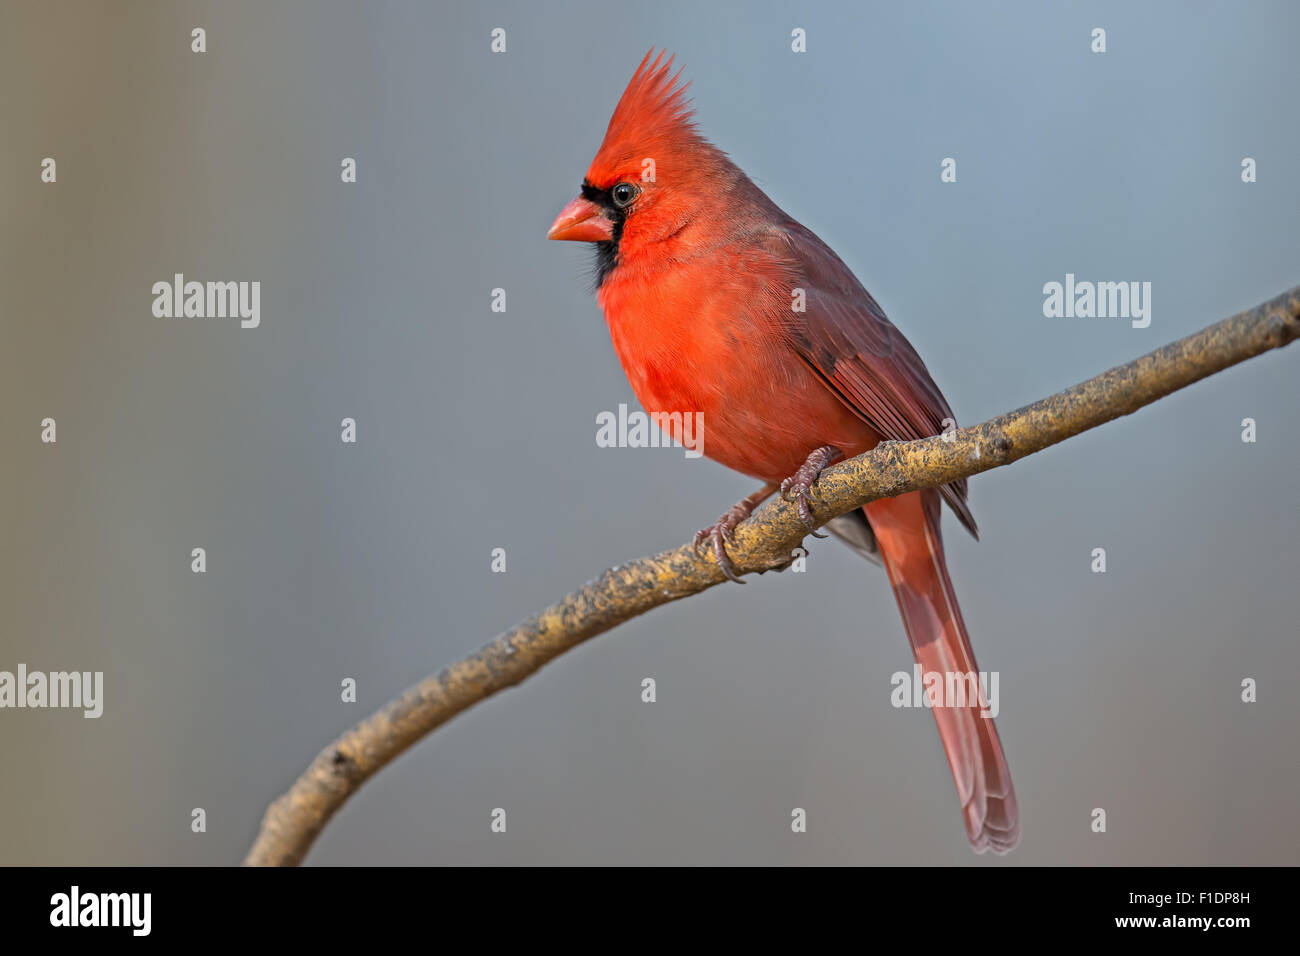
845 337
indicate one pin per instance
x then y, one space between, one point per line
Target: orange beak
582 221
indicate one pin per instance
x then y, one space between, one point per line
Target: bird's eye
623 194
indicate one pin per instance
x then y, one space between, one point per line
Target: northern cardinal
719 303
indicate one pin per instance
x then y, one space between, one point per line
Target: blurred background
476 430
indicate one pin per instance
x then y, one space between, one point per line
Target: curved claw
724 562
809 521
796 491
719 534
723 531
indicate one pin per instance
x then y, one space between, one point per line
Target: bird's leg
798 486
724 529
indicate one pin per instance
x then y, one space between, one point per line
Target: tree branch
763 542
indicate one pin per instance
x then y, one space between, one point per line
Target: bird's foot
798 487
718 534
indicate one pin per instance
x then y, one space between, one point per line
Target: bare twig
764 541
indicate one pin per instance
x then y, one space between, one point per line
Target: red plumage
700 277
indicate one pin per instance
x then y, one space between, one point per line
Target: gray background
477 430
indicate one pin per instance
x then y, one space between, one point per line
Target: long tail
907 531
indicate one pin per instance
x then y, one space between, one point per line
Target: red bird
719 303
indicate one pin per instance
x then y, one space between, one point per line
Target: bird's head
649 174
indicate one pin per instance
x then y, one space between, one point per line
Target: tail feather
907 531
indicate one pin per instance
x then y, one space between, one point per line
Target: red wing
845 337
